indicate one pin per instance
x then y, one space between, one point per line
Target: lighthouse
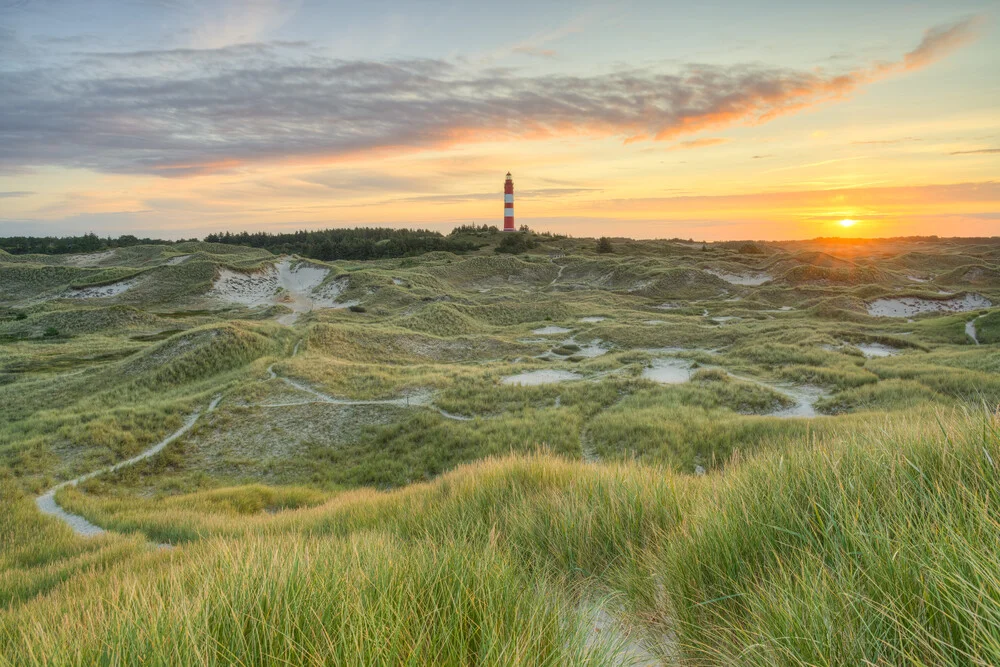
508 204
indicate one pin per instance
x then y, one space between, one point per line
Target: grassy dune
814 486
489 563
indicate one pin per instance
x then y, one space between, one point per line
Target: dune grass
490 523
872 546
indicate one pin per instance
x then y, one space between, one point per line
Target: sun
847 222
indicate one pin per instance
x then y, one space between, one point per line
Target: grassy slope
746 568
832 541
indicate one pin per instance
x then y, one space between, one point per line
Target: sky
651 119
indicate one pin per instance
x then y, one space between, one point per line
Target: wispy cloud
699 143
15 193
884 142
978 151
942 40
184 112
536 51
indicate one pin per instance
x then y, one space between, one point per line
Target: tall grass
878 550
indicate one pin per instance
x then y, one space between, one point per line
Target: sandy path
47 504
414 401
562 267
970 330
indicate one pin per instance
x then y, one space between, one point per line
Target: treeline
359 243
60 245
328 244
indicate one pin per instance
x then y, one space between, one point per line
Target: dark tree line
359 243
60 245
328 244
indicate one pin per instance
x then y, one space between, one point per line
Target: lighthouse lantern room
508 204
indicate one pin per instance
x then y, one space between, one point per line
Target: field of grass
553 458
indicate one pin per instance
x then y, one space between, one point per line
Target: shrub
516 243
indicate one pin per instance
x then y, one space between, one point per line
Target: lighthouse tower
508 204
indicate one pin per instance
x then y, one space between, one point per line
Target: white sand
876 350
668 371
88 259
300 287
750 279
550 331
534 378
970 330
910 306
103 291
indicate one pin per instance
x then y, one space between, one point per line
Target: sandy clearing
180 259
301 287
546 376
594 348
668 371
47 504
88 259
592 320
747 279
248 289
876 350
910 306
102 291
550 331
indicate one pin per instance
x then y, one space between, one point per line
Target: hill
670 453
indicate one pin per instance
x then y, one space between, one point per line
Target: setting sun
847 222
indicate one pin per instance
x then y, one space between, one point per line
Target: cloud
699 143
942 40
536 51
884 142
185 112
15 193
978 151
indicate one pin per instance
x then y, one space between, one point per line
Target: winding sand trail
970 330
412 401
47 504
562 267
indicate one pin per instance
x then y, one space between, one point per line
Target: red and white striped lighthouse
508 204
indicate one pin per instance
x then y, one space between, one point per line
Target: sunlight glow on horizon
886 129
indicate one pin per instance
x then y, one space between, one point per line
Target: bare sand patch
301 287
550 331
668 371
876 350
911 305
546 376
747 279
88 259
102 291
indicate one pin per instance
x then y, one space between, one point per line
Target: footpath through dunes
554 446
386 573
48 504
